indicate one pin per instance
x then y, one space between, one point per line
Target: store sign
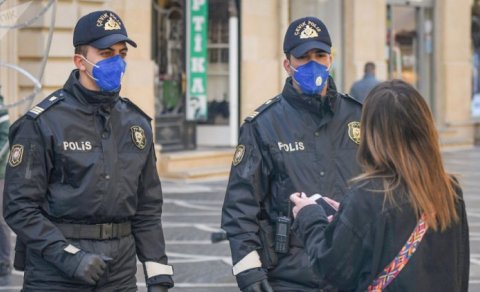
197 38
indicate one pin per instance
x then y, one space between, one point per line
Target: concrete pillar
454 75
8 77
263 24
364 39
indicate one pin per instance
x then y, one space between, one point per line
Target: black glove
249 277
19 259
91 268
261 286
157 288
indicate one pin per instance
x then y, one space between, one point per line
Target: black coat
365 236
291 143
83 159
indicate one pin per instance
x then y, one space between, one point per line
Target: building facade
236 55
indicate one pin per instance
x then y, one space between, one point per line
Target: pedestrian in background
362 87
82 191
304 138
403 224
5 246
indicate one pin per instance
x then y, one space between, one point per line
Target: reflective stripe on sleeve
71 249
153 269
250 261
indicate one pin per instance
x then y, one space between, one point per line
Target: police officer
82 191
304 139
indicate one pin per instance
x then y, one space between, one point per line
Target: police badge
16 155
138 137
354 131
238 156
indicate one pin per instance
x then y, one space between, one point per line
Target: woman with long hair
402 226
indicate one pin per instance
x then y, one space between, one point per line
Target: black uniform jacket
83 160
365 236
291 143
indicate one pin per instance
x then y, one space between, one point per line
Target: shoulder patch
354 131
262 108
45 104
128 101
239 153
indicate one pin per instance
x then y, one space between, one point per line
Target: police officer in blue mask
305 139
82 191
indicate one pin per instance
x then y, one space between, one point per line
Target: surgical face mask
311 77
108 73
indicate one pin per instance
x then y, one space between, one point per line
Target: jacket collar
89 97
313 103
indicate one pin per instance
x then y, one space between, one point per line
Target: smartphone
329 209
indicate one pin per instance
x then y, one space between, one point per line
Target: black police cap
100 29
305 34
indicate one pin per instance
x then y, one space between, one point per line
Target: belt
95 231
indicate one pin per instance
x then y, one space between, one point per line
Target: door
220 127
410 45
172 131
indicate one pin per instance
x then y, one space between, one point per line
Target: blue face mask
108 73
311 77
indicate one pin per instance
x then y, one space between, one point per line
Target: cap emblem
108 21
308 33
307 29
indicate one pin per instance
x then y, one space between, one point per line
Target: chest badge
238 156
138 137
354 131
16 155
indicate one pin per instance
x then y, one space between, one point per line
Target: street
192 212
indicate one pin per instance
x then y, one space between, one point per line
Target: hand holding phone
329 208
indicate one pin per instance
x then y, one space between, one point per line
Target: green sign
197 38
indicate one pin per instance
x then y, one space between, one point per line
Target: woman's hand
300 200
332 202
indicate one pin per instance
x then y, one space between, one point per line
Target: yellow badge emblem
308 33
16 155
138 137
354 131
109 21
238 156
112 24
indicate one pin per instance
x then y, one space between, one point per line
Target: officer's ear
331 60
81 51
79 62
287 67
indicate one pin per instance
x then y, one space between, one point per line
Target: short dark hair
369 67
81 50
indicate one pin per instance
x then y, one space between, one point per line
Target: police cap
305 34
100 29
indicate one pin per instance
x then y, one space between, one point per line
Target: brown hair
81 50
399 143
